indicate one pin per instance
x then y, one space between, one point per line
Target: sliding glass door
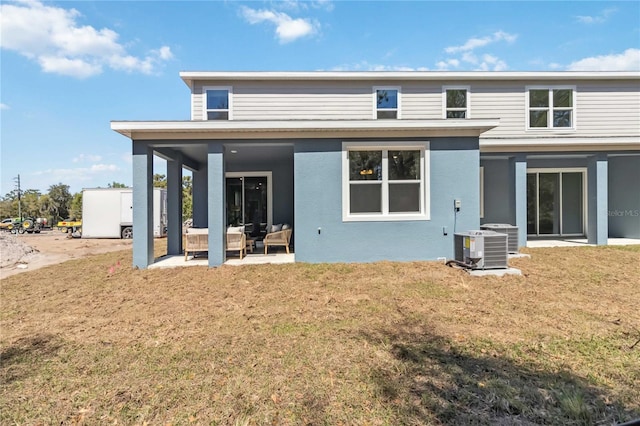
248 201
556 202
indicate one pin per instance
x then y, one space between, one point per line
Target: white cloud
469 57
296 5
80 175
4 106
467 53
104 168
629 60
78 68
366 66
474 43
288 29
448 64
53 37
163 53
598 19
322 4
87 157
490 62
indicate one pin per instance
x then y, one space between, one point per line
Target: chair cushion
235 229
276 228
286 226
197 230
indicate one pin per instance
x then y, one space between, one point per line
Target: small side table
250 245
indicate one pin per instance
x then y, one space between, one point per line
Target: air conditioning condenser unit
505 228
481 249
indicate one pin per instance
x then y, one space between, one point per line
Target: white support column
597 205
518 173
216 203
142 204
174 205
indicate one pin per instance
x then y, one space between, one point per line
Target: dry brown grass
93 341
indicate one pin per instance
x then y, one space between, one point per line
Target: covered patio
283 153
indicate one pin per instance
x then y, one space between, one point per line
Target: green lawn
93 341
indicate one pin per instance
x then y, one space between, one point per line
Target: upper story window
551 107
387 102
382 181
217 103
456 102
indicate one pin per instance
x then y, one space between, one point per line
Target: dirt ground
21 253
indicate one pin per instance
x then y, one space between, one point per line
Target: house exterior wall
620 184
315 113
610 108
624 196
321 235
602 108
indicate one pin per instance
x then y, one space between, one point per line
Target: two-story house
370 166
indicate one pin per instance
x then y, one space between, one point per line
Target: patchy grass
93 341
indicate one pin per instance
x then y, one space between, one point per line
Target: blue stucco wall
454 174
624 197
497 192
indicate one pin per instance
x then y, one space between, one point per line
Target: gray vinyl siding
302 102
608 110
296 101
505 101
421 101
603 108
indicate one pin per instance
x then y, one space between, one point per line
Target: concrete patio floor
576 242
259 258
174 261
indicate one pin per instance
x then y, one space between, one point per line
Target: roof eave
189 76
248 129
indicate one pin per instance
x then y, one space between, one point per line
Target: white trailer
108 212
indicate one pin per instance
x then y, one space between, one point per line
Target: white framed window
385 181
551 107
455 102
217 102
386 102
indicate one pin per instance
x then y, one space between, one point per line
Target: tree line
58 203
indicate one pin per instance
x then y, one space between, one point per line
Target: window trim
374 98
444 102
386 216
205 110
551 88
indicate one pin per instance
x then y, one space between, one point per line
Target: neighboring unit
369 166
108 212
505 228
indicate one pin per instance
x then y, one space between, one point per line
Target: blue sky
69 68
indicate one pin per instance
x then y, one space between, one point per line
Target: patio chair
280 236
237 240
196 240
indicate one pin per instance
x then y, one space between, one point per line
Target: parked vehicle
108 212
69 225
7 223
29 225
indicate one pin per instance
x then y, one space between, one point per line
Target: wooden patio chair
278 238
196 240
237 241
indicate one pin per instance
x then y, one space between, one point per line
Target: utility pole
19 197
